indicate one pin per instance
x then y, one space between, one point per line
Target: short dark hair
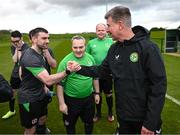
15 34
35 31
120 13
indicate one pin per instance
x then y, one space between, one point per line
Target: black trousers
134 127
83 108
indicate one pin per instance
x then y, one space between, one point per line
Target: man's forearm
96 85
51 79
60 94
55 78
91 71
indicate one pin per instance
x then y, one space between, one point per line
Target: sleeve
32 64
100 71
155 71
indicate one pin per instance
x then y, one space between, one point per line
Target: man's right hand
73 66
63 108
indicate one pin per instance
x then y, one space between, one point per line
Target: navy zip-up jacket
139 78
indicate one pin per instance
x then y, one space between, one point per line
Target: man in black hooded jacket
138 72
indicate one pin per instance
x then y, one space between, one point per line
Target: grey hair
120 13
78 37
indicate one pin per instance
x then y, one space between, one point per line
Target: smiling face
101 31
78 47
113 28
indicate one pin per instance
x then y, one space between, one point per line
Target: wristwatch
68 71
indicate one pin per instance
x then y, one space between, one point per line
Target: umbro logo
116 57
158 131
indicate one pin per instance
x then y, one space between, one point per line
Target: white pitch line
173 99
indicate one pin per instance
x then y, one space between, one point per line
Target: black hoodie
139 78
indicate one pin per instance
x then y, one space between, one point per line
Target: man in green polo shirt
98 48
75 92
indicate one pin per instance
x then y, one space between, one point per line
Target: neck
36 48
127 35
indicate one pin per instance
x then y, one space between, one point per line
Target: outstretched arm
91 71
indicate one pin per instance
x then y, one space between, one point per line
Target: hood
140 33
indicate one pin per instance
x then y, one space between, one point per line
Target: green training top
76 85
99 48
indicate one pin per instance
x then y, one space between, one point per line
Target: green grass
61 46
172 64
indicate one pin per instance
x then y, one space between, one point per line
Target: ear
33 38
120 23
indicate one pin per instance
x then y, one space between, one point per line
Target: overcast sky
70 16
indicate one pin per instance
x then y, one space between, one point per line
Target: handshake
73 66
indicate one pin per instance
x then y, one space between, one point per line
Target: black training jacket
139 78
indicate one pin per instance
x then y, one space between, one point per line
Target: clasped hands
73 66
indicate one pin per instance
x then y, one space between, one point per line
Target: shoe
110 118
8 114
48 131
96 118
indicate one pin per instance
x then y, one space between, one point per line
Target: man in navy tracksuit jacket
138 72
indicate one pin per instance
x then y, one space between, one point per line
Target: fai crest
134 57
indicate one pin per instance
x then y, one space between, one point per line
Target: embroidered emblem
134 57
116 57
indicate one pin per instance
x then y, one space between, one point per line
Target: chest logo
94 46
134 57
116 57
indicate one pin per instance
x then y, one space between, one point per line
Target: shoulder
109 39
63 62
92 41
89 57
29 58
148 45
114 45
68 57
25 46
